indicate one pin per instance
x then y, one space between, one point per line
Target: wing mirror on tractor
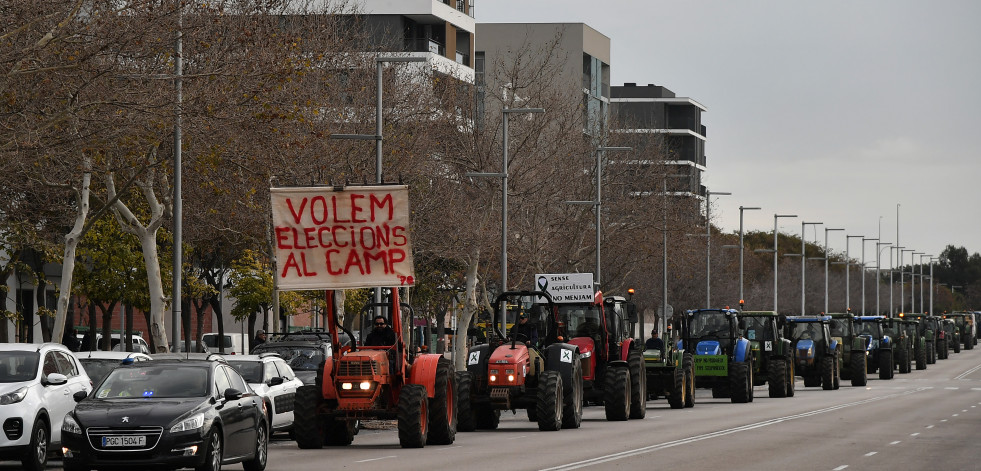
632 313
742 324
781 320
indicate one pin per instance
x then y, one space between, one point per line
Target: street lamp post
776 217
597 205
378 137
921 279
826 258
742 300
848 259
902 279
912 281
864 240
878 281
803 266
893 270
708 244
932 259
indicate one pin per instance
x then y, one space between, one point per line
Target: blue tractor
816 351
878 345
722 358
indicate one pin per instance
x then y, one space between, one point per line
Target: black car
169 414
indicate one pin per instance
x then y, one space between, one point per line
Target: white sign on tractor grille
567 287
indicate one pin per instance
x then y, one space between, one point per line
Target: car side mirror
275 381
232 394
55 379
79 395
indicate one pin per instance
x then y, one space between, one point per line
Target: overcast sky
836 111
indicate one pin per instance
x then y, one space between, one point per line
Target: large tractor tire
957 347
885 364
968 342
533 414
550 398
827 373
616 393
442 407
690 382
858 360
465 419
812 381
902 358
572 402
835 376
791 379
944 350
777 377
413 416
486 417
921 358
339 432
931 352
679 389
308 425
638 385
740 381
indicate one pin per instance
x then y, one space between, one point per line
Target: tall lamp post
742 249
826 258
921 278
708 244
776 217
378 137
893 270
878 281
598 203
864 240
902 279
912 282
848 261
932 260
803 266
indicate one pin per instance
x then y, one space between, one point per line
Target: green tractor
929 328
917 341
952 334
965 326
816 351
722 358
773 357
902 344
669 371
878 345
853 354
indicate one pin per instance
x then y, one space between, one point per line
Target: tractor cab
713 331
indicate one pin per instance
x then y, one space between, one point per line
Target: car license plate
123 441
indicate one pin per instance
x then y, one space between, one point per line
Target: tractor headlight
365 385
347 386
586 354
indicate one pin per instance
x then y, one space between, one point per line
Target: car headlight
14 396
193 422
70 425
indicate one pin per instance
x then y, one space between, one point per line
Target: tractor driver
527 331
654 343
381 335
589 328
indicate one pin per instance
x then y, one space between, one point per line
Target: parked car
98 364
183 347
139 343
167 413
270 377
234 344
37 382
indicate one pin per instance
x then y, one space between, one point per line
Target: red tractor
377 382
528 368
613 362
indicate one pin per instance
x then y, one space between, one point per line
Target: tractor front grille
357 368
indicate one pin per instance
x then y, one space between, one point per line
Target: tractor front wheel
679 389
827 373
339 432
777 377
616 394
466 422
442 407
413 416
690 381
308 425
638 385
740 381
550 398
858 360
572 402
791 379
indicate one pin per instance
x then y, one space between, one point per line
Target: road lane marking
375 459
914 434
897 442
840 467
929 426
952 389
943 420
871 453
964 410
955 415
515 438
719 433
964 374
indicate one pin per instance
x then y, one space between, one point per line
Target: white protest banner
355 237
567 287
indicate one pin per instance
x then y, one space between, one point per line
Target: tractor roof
803 319
758 313
869 318
726 311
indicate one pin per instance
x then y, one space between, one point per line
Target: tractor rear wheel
944 350
549 404
957 346
690 382
466 422
339 432
638 385
836 380
572 402
308 425
679 389
827 373
740 381
777 377
532 414
931 352
921 358
413 416
885 364
859 377
442 407
616 393
903 359
791 379
968 342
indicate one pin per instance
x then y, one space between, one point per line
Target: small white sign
566 356
768 345
567 287
474 358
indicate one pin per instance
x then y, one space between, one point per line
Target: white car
37 382
270 377
98 364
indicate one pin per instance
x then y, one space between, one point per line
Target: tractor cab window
840 328
872 329
711 324
581 320
808 331
890 329
758 328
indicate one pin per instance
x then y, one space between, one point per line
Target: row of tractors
561 357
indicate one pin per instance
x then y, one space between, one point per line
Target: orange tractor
377 382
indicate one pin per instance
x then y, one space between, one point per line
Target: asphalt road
916 421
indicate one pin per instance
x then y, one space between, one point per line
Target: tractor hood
708 347
585 344
805 349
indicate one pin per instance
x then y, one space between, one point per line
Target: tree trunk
186 326
250 331
466 316
199 308
71 242
215 303
92 343
45 321
150 340
107 325
129 328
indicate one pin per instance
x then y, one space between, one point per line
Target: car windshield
18 366
758 328
303 358
709 324
98 368
807 331
155 381
250 370
580 320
